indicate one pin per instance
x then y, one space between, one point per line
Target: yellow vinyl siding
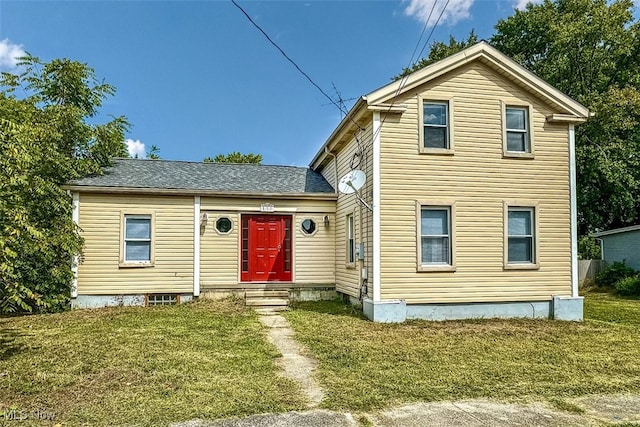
100 221
313 256
348 277
479 180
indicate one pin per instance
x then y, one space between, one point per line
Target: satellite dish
352 182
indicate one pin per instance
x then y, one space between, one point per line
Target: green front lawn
141 366
365 365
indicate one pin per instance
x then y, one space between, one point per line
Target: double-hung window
435 230
435 126
517 130
521 236
351 241
137 245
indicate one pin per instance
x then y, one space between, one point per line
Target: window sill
437 151
350 265
518 155
521 266
135 264
435 268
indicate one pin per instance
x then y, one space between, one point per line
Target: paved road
597 411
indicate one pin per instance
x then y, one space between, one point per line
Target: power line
404 80
297 67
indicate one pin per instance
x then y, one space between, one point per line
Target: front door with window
266 248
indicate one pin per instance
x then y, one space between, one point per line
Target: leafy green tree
46 140
153 153
590 49
440 50
235 157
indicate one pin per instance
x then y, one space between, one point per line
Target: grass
365 366
141 366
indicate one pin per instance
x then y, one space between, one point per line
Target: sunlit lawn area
365 365
208 360
140 366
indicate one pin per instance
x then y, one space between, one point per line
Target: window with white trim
351 240
435 123
435 236
137 239
521 235
517 129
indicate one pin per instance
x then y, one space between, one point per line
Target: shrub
588 248
628 285
614 273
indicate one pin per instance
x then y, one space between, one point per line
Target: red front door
266 248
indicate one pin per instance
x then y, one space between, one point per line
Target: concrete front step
266 302
268 293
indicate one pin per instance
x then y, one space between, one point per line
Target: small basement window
308 226
162 299
224 225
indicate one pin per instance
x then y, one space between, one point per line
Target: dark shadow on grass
336 307
10 344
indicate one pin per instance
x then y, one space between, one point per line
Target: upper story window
517 132
137 245
435 121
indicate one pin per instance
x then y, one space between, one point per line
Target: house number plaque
267 207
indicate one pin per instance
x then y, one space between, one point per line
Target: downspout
335 169
335 190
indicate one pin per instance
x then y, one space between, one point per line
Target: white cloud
136 148
9 54
456 10
522 4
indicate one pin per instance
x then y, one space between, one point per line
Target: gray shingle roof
213 177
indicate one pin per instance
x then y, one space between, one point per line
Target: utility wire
297 67
404 80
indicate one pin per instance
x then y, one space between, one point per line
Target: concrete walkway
293 363
598 411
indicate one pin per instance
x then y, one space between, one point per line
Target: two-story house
468 208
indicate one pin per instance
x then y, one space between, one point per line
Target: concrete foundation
100 301
312 294
393 311
568 308
397 311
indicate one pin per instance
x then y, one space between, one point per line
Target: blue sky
196 79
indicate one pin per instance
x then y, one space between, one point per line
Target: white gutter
76 220
376 206
574 210
196 246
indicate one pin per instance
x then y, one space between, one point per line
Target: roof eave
196 192
617 230
497 59
352 116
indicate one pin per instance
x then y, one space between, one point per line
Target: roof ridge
208 163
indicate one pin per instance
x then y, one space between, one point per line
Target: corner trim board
574 211
196 246
377 127
76 220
